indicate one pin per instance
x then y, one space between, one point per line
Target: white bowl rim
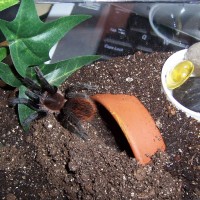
171 62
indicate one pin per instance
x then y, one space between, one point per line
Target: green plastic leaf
30 40
24 111
57 73
3 53
7 3
8 75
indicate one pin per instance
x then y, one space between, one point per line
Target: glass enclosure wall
117 29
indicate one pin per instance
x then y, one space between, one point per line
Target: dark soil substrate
52 163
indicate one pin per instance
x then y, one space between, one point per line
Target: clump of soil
52 163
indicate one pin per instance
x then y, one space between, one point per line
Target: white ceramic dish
171 62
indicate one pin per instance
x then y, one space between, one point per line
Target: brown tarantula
73 108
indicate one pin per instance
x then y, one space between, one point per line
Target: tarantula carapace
72 107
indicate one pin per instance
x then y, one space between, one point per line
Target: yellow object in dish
179 74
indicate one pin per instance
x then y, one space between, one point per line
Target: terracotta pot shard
136 123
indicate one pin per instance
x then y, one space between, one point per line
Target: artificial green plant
29 41
7 3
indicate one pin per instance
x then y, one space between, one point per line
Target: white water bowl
170 63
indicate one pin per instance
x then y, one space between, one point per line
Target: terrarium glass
122 28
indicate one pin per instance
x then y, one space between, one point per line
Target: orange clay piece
136 123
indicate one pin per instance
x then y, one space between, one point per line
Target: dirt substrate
52 163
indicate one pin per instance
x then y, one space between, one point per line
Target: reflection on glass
178 24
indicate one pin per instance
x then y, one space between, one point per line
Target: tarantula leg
74 124
44 83
85 86
31 84
34 116
81 86
32 95
71 95
24 101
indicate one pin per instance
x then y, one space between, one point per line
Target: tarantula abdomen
75 111
83 109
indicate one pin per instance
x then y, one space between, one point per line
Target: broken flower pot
136 123
169 65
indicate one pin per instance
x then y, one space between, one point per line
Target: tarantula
72 107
